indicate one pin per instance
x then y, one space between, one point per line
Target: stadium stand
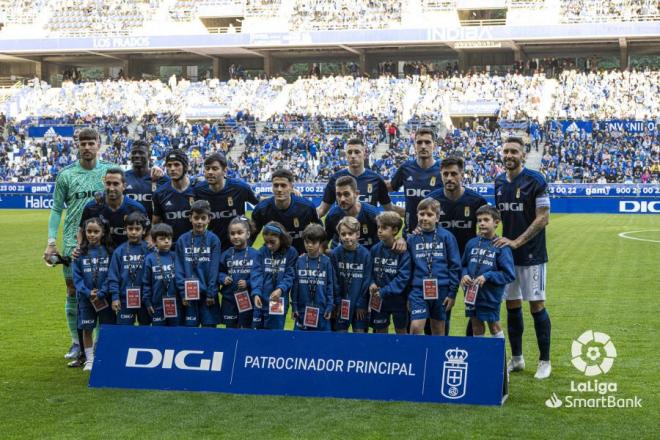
599 11
263 124
345 14
92 17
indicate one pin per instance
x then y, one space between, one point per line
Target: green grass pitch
596 280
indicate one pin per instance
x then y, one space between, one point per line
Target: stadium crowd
305 125
603 157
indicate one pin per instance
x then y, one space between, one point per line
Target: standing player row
353 189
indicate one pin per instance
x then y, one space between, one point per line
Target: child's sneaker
88 366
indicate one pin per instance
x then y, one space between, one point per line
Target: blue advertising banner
577 126
39 131
311 364
566 198
628 126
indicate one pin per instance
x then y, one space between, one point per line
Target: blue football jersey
366 217
141 189
173 208
226 204
460 216
114 219
417 184
517 201
300 213
371 186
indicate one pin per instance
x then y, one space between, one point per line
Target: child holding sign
436 264
390 277
158 287
352 264
126 269
272 278
197 264
486 270
90 271
236 264
312 295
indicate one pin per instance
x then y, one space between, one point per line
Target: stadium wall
566 198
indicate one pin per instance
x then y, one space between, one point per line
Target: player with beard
349 205
113 207
293 211
139 185
522 198
75 186
371 186
458 209
227 197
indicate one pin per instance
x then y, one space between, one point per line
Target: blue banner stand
458 370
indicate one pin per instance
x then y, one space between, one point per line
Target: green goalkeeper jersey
75 186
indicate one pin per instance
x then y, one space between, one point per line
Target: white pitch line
625 235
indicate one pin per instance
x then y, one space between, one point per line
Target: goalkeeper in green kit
75 185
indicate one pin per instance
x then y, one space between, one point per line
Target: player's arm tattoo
539 223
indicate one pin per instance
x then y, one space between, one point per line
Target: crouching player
126 270
352 264
90 272
436 264
196 269
158 287
235 267
486 270
312 296
390 277
272 278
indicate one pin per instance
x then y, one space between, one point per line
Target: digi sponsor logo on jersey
313 273
510 206
140 197
117 230
417 192
239 263
427 246
456 224
84 194
194 360
644 206
350 266
177 215
130 258
224 214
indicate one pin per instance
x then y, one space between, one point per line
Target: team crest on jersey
369 188
467 211
296 223
230 201
517 193
432 183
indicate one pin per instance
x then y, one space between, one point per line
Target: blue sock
516 326
447 323
543 328
468 330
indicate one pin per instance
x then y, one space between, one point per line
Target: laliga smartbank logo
593 354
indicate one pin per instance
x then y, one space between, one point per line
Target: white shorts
529 284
